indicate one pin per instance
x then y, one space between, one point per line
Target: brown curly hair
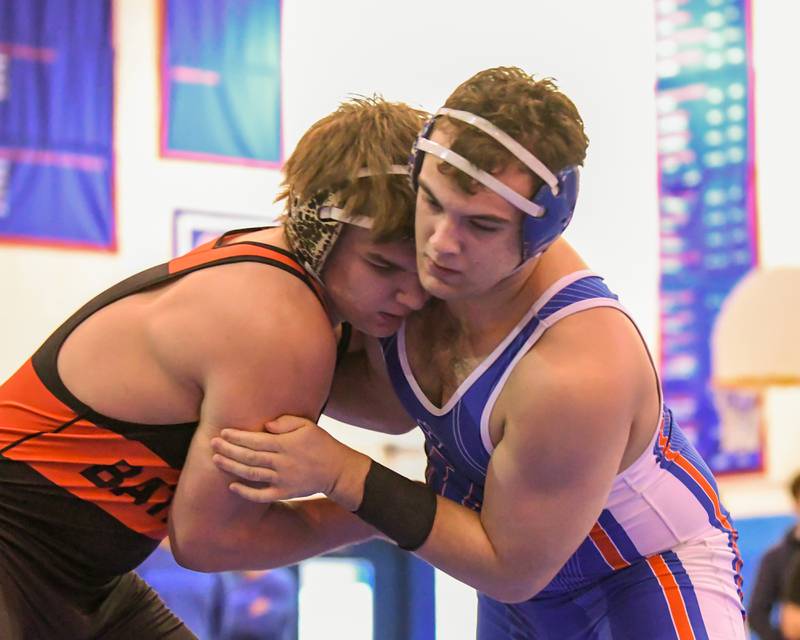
533 112
364 132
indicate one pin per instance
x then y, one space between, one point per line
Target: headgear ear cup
314 226
539 233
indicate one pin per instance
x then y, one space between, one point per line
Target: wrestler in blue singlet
660 562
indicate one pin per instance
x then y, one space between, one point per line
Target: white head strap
338 214
485 178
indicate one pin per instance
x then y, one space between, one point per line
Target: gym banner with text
708 226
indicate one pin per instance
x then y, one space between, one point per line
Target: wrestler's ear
286 424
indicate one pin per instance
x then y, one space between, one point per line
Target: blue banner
221 81
56 114
707 203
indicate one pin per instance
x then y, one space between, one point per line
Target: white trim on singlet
561 283
645 455
576 307
544 325
487 362
629 479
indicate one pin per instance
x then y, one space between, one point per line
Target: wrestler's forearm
211 529
286 533
361 397
459 545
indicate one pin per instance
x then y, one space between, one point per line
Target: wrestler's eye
433 204
384 267
482 226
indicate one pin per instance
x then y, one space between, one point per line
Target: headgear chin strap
548 212
313 227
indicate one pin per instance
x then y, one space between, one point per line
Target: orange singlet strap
211 252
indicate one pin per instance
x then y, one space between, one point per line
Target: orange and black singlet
85 497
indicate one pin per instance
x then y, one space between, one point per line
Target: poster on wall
708 226
56 154
191 228
221 81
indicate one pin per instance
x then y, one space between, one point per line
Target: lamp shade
756 338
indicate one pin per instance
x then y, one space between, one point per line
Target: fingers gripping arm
213 529
523 534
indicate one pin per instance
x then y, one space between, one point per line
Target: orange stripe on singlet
27 407
36 428
707 489
605 545
674 597
698 477
113 473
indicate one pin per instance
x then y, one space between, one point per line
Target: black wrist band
402 509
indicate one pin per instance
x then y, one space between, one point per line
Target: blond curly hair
364 132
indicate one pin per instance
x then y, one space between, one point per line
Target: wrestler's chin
443 289
383 325
441 283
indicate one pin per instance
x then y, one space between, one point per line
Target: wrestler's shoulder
589 354
243 307
593 335
252 286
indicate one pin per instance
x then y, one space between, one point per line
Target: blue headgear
548 212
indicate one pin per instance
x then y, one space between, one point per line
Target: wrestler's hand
294 458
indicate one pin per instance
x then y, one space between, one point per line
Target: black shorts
33 608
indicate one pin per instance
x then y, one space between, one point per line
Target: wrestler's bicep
550 475
251 377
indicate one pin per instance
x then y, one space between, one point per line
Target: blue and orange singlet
661 561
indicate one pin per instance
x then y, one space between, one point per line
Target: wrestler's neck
503 306
270 235
276 237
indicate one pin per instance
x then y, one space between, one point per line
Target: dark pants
31 608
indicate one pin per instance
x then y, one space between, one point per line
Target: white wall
601 53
